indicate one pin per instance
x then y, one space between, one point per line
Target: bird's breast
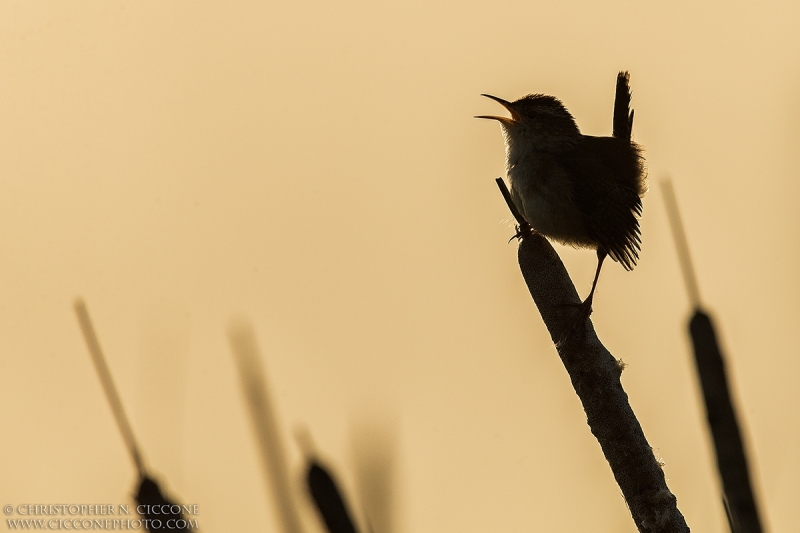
544 193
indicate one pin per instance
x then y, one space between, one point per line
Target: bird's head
538 119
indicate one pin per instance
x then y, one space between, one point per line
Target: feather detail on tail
623 115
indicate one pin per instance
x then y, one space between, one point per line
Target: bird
578 190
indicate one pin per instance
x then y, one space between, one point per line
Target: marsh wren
576 189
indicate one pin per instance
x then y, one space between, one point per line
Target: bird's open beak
508 105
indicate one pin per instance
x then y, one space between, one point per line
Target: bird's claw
522 230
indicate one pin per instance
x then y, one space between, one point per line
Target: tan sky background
314 168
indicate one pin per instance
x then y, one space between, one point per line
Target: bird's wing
609 182
606 188
623 114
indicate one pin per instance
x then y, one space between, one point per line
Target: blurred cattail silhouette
734 473
265 424
148 493
328 498
110 390
373 452
160 513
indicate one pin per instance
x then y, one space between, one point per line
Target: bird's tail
623 115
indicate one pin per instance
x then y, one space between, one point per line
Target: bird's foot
523 230
583 314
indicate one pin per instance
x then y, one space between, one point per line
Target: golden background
314 168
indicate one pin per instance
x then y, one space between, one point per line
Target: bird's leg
585 307
587 303
601 255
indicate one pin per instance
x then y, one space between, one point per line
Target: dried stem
595 376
